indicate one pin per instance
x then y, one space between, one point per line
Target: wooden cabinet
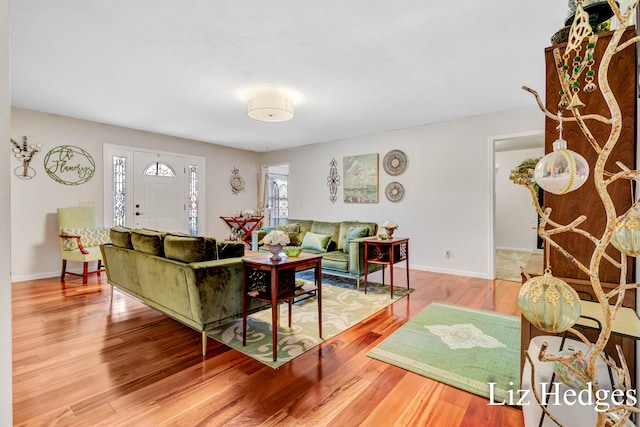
585 200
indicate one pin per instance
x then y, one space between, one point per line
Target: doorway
275 200
514 235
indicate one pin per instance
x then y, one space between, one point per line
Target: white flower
390 224
248 213
276 237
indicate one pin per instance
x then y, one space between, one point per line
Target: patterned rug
342 307
463 347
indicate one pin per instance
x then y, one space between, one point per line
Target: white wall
447 185
34 243
516 218
6 401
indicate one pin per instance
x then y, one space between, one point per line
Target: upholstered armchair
80 239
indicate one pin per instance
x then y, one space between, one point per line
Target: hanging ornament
562 170
549 303
573 64
626 234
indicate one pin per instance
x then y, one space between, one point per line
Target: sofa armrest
256 238
215 289
356 255
230 249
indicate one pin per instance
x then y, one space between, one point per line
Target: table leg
319 293
366 267
407 263
391 272
244 305
274 312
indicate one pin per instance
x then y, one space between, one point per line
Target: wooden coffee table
276 270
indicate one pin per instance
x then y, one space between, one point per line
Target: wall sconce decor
24 153
333 181
236 181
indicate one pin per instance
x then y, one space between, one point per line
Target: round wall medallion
395 162
394 192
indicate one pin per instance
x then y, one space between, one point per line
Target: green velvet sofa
340 243
195 280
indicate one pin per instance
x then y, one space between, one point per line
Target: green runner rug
342 307
460 346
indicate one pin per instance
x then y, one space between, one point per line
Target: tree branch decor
544 300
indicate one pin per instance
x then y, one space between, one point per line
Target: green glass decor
626 234
292 251
549 303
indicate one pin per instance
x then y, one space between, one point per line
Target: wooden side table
277 270
386 252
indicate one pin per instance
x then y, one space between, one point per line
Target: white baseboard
502 248
450 271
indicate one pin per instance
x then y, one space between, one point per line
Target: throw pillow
316 242
94 236
354 233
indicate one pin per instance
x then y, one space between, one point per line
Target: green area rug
342 307
464 347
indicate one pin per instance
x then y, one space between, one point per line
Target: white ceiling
357 67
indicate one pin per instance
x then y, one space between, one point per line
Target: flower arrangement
390 225
247 213
276 237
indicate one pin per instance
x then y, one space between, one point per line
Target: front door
159 192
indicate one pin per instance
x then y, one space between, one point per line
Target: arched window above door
159 169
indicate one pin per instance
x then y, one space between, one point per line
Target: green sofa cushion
148 241
354 233
189 248
330 228
289 228
121 237
316 242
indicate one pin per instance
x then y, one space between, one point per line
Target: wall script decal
69 165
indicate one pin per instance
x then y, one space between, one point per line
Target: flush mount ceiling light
270 108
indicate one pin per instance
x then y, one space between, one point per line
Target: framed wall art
360 178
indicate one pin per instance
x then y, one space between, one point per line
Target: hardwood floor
79 361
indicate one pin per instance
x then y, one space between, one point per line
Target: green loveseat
195 280
340 243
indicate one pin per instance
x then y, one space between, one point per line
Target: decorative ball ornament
549 303
562 170
626 234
